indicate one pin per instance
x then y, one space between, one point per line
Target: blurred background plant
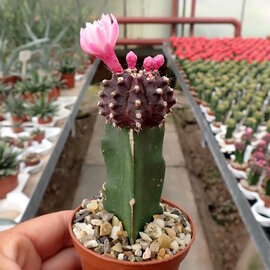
48 28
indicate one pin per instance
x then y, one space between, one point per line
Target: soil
225 233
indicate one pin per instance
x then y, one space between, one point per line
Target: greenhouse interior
135 134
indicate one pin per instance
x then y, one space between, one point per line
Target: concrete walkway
177 187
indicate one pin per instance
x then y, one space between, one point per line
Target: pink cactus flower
131 59
148 64
158 61
99 39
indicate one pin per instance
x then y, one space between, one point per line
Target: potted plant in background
34 87
108 232
31 159
256 168
56 84
44 109
265 190
67 70
37 135
15 106
9 168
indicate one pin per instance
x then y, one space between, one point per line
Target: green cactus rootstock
135 175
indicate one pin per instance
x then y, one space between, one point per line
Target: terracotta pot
266 200
7 184
44 121
68 80
93 261
18 119
17 129
28 97
38 138
10 80
32 163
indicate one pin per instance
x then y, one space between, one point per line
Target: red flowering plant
256 168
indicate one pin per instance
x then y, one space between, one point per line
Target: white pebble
188 238
114 232
147 254
182 236
96 222
90 244
136 246
121 256
180 241
168 214
159 222
145 237
174 245
138 252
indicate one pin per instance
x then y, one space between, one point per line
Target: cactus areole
135 104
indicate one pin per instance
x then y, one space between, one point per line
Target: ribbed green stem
135 175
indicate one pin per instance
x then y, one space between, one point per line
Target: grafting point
114 125
99 112
171 89
98 103
159 91
111 115
138 116
113 94
111 105
165 104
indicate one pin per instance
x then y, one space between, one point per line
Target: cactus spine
135 105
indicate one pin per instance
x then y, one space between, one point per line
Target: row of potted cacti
234 98
13 153
222 49
21 111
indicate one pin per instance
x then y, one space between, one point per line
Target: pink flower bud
148 64
158 61
131 59
99 39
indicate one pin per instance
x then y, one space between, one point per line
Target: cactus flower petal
158 61
99 39
131 59
148 64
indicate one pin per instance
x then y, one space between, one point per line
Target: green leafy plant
15 105
35 85
8 160
43 108
67 66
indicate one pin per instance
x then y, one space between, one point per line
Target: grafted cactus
135 104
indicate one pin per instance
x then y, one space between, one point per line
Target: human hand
41 243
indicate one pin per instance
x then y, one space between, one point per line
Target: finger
18 252
48 233
67 259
